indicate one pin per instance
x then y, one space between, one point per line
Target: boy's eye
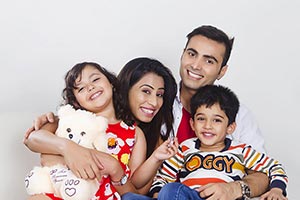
217 120
200 119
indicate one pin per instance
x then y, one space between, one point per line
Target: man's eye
191 54
210 61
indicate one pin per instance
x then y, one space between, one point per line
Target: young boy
212 157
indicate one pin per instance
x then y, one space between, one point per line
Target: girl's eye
96 79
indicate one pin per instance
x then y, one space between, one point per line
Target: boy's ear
231 127
192 123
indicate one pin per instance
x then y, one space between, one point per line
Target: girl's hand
274 194
166 150
81 161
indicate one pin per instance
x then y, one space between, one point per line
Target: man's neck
185 97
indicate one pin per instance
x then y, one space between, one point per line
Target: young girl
91 87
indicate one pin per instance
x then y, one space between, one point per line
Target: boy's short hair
216 94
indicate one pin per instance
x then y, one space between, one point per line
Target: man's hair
210 95
215 34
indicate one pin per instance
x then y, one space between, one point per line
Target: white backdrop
41 40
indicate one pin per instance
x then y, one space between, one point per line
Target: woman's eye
160 95
146 91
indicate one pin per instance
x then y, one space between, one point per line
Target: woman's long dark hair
130 74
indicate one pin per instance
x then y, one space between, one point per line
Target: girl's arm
79 159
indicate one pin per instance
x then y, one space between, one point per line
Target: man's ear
222 72
192 124
231 127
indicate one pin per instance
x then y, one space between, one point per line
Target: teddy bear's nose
70 136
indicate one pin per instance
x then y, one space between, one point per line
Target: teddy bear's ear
66 110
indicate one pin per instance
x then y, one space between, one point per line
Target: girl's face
93 90
146 97
211 126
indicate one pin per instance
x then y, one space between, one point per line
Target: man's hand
220 191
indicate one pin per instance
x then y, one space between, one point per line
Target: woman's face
93 90
146 97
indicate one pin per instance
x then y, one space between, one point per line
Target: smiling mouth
147 111
95 95
193 75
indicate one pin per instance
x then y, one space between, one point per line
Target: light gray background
41 40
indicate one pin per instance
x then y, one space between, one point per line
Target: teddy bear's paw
70 188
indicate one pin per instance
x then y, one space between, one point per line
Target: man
203 61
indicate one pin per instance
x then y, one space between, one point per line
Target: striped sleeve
261 162
168 172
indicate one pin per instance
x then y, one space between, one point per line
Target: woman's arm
146 172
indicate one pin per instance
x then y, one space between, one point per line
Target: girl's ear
192 124
231 127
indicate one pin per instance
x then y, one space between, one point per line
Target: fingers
42 120
28 132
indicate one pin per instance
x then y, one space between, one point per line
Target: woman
148 89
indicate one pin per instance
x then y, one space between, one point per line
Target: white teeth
95 95
147 111
194 75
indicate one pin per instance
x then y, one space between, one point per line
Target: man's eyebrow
211 57
192 49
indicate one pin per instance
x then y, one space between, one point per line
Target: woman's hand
39 122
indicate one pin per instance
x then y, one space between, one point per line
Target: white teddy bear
85 129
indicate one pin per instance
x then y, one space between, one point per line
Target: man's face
201 62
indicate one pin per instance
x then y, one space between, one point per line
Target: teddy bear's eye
82 133
69 130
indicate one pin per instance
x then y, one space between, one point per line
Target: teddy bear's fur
85 129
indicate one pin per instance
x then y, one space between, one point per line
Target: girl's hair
130 74
75 72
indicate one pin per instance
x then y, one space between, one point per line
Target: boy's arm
257 182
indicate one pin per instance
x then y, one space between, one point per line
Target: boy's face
211 127
201 62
